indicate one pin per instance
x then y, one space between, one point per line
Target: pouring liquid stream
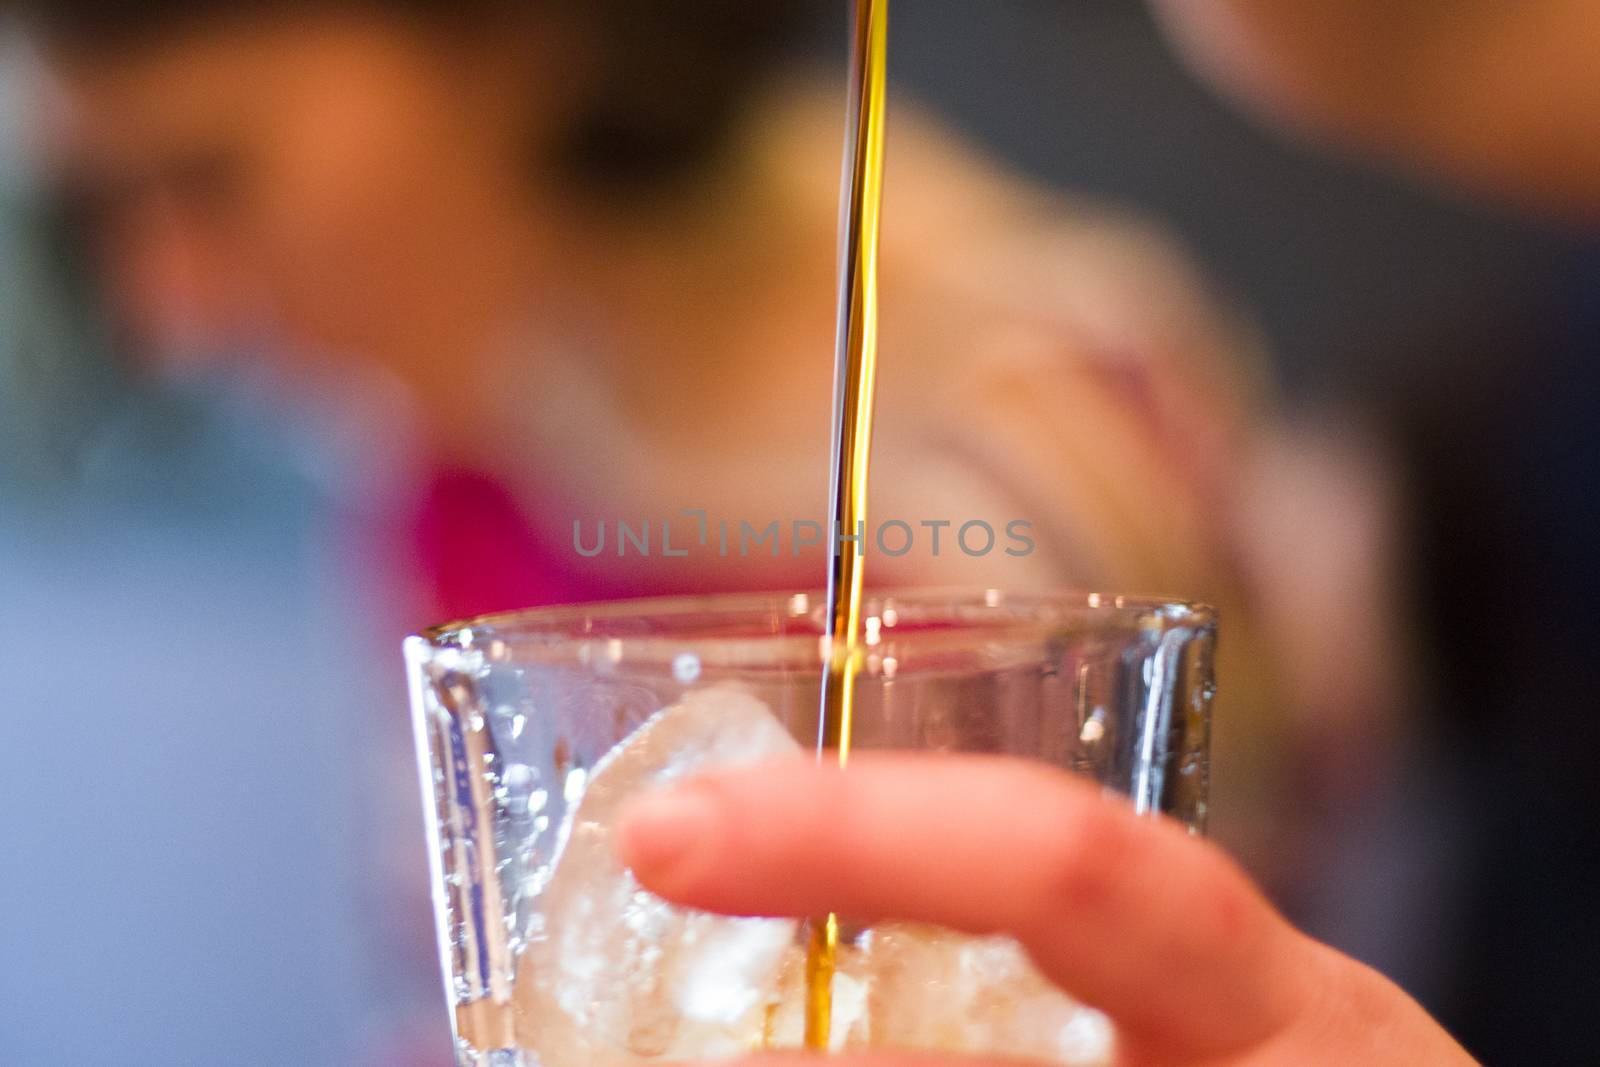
854 394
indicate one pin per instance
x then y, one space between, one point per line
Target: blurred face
348 185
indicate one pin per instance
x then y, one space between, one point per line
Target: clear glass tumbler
533 729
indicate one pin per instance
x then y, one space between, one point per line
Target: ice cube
936 991
787 1024
617 975
909 987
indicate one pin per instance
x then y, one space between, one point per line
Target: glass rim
561 619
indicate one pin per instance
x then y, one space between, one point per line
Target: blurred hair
669 77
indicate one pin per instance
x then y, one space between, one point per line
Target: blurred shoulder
972 247
1042 354
1086 278
1068 355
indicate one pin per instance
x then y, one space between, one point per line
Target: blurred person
600 260
595 249
596 253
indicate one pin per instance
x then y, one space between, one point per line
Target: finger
1129 914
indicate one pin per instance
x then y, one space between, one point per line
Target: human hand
1158 929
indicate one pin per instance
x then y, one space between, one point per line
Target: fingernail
660 832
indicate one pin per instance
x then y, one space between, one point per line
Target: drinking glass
533 729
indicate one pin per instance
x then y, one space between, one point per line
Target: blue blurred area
175 896
195 707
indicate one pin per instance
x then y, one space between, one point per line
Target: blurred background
306 341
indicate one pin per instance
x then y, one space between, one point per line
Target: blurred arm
1498 95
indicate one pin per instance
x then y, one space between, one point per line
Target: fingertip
661 835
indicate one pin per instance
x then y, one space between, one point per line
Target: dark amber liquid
853 408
